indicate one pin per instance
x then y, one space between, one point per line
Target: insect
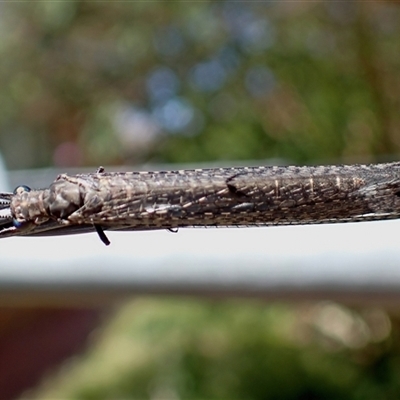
243 196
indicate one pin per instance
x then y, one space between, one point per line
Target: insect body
246 196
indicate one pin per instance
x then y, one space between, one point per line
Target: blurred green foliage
116 82
238 349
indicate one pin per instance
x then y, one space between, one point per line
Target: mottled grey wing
154 200
226 196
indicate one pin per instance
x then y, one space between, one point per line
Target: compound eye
22 225
21 189
18 224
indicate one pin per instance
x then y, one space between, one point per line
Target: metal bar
352 263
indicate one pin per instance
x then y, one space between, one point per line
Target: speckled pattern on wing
247 196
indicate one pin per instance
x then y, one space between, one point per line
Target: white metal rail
357 263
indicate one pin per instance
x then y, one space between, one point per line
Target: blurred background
133 84
85 83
